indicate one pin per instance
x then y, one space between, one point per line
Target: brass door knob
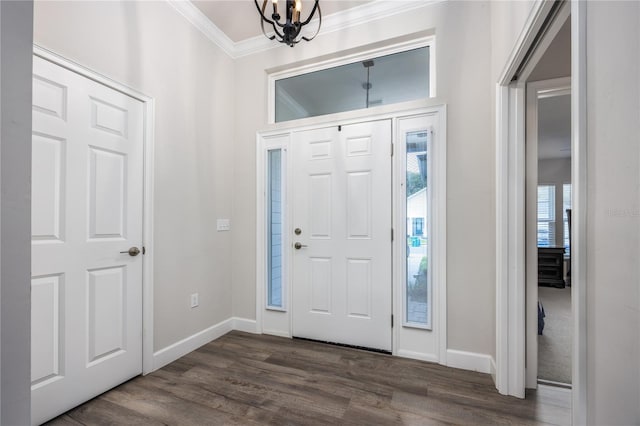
133 251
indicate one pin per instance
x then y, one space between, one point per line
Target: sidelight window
418 277
274 229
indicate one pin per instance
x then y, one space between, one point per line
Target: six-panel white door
86 296
341 284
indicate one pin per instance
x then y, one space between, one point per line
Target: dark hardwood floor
245 379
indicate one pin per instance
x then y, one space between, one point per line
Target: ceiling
556 60
239 19
554 127
554 113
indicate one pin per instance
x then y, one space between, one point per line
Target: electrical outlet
194 300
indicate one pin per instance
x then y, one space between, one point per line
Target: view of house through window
418 277
384 80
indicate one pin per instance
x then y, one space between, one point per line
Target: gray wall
150 47
16 34
554 171
463 35
613 212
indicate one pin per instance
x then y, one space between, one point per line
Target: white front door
341 284
86 295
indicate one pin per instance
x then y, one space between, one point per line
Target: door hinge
391 234
392 150
391 320
339 128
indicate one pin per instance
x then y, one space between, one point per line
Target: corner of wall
179 349
245 325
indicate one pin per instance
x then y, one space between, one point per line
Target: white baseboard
179 349
470 361
457 359
246 325
416 355
493 369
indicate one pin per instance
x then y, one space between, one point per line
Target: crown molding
372 11
199 20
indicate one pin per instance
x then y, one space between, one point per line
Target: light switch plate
224 225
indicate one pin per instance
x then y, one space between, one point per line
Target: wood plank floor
246 379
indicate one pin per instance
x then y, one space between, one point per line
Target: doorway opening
341 214
516 305
549 326
548 226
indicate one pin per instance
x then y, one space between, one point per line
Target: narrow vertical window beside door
274 229
417 285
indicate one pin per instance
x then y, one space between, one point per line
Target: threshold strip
344 345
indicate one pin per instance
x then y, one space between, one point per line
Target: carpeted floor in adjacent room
554 346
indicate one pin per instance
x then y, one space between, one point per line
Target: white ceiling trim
376 9
199 20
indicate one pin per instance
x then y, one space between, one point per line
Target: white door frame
535 91
510 207
278 136
148 106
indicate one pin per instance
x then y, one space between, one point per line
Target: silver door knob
133 251
298 246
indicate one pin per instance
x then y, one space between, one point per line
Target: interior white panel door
341 285
86 296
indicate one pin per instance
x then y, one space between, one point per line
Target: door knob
298 246
133 251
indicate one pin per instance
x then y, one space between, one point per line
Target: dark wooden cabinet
550 266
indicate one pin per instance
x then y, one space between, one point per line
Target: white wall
15 210
150 47
507 21
464 83
613 213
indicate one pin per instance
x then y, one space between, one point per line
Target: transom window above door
359 83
